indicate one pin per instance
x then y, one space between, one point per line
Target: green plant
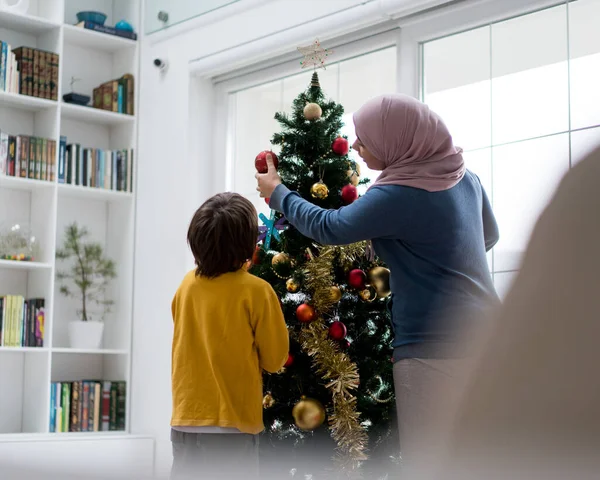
90 271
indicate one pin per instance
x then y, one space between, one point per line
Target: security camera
160 64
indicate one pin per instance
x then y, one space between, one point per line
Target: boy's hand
267 182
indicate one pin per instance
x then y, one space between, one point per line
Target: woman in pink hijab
430 221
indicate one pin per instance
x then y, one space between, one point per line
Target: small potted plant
90 274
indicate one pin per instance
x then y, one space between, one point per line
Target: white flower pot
85 335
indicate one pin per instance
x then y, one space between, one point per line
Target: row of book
27 157
87 406
93 167
115 95
9 69
29 71
21 321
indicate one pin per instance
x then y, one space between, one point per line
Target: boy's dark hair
222 234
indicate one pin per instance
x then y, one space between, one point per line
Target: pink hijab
411 141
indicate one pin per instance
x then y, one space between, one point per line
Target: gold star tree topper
314 55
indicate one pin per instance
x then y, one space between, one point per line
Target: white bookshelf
26 373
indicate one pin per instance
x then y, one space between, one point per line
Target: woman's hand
267 182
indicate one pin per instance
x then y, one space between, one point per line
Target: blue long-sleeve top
434 244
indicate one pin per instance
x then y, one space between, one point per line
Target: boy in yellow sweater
228 327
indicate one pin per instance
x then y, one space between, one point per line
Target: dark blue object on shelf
77 98
94 17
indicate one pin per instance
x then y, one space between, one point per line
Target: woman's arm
490 226
366 218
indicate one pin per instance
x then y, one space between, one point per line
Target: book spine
3 153
52 146
65 406
43 74
31 157
97 96
106 389
85 409
58 407
106 95
113 407
61 159
130 93
25 324
1 320
115 96
39 143
121 405
91 407
52 407
75 405
36 73
109 30
54 76
130 169
24 155
4 48
44 175
12 156
97 405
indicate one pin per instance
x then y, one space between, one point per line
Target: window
521 97
349 82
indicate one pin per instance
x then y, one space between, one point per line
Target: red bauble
349 194
256 256
337 331
345 344
340 146
357 279
289 361
260 162
305 313
267 201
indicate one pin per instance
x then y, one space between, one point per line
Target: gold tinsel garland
336 368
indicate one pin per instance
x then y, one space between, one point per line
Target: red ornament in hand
267 201
357 279
260 162
349 194
305 313
337 331
289 361
340 146
256 256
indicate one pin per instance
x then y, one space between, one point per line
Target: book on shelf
27 157
21 321
29 71
108 30
116 95
93 167
10 75
88 406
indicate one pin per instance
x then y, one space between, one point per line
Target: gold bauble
268 401
312 111
280 258
309 414
319 190
292 285
335 294
368 294
379 277
353 176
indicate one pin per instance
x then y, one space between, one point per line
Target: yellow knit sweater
226 331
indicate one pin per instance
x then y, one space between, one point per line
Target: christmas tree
334 398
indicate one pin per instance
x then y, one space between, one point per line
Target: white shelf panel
77 436
26 23
24 350
18 265
102 351
28 184
83 37
25 102
92 193
94 115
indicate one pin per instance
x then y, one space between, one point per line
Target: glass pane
503 282
584 52
178 11
457 85
583 142
530 76
254 127
525 175
365 77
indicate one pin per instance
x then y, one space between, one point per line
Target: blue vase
123 25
